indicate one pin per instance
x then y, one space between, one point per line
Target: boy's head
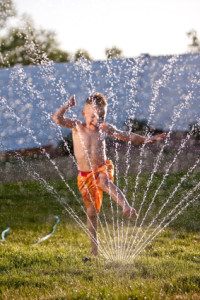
95 109
97 99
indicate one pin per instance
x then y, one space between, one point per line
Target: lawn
166 267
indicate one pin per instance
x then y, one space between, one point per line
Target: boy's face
94 116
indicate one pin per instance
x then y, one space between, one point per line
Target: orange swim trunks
88 184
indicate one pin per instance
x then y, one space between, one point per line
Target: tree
7 10
81 53
30 46
141 126
195 42
26 45
137 125
195 129
113 52
66 145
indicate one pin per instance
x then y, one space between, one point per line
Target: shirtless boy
95 171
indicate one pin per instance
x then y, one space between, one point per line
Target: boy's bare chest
89 139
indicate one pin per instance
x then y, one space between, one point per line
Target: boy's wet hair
97 99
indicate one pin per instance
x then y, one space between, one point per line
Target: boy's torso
89 147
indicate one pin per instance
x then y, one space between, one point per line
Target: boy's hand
156 138
71 102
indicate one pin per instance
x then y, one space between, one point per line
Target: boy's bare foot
130 213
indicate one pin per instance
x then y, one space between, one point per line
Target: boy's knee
91 212
103 181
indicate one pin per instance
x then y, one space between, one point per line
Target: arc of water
176 114
109 72
36 176
110 198
144 198
167 224
23 76
99 220
75 217
111 76
167 69
66 206
163 180
3 100
196 188
84 66
86 153
76 162
165 204
160 185
117 182
45 60
4 233
116 152
136 69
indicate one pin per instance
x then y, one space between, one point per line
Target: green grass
167 268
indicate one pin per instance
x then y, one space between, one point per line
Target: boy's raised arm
59 118
130 136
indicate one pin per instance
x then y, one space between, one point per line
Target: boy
95 171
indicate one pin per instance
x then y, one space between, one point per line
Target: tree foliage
195 129
195 42
66 145
26 45
7 10
137 125
113 52
30 46
81 53
141 126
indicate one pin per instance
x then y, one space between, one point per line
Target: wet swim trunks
88 184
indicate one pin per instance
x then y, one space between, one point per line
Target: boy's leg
116 194
92 222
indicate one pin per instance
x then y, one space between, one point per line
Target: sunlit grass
168 267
